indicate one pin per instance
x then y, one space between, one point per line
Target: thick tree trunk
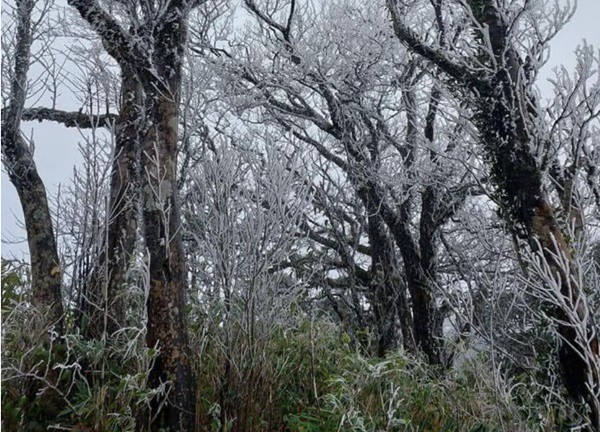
166 301
124 190
159 72
162 226
506 122
43 253
528 209
45 264
427 330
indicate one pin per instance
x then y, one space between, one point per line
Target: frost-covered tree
147 41
342 87
489 53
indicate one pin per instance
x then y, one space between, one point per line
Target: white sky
56 151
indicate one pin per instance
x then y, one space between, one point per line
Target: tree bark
506 122
162 226
166 300
104 301
43 254
385 282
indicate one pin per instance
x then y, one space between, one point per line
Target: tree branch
69 118
410 39
118 42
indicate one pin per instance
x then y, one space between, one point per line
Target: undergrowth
306 380
300 375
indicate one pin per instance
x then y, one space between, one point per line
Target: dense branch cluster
295 211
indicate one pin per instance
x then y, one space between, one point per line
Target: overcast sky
56 151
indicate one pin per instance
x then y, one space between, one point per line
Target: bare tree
381 182
242 210
497 83
364 122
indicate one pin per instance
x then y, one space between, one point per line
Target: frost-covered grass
297 375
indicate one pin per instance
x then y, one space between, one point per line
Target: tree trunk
23 174
166 300
528 209
43 254
104 303
385 283
506 122
158 70
162 227
419 261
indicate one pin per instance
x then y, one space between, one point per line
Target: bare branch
412 41
69 118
